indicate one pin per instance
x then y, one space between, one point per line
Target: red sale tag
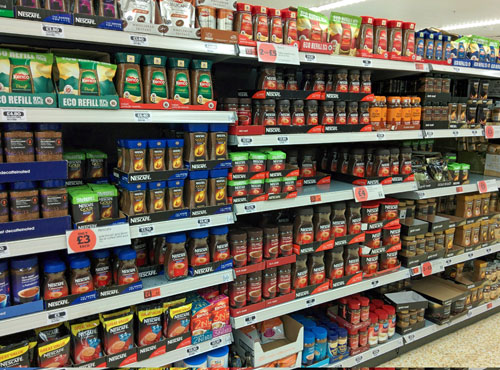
83 240
489 132
277 53
419 66
267 52
315 198
361 194
426 269
460 189
489 306
482 187
152 293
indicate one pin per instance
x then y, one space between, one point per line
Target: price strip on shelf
245 141
432 267
143 116
249 208
52 30
211 47
282 140
139 40
492 132
84 240
14 115
152 293
415 271
310 58
4 251
310 302
369 192
204 222
250 319
145 230
316 198
54 317
380 135
276 53
192 350
487 186
367 63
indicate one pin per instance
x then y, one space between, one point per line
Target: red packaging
300 272
353 338
275 26
238 245
373 238
284 279
270 283
368 35
238 292
389 209
391 235
388 260
370 263
271 242
118 331
260 21
289 185
219 311
246 28
369 212
176 318
54 353
395 38
285 239
363 337
254 244
201 319
85 341
254 287
380 39
149 324
365 308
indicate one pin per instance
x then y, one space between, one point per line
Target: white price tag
228 276
375 283
4 251
369 192
420 134
139 40
429 134
245 141
410 338
146 230
359 359
250 319
204 222
210 48
54 317
492 132
192 350
457 69
277 53
52 30
143 116
282 140
247 51
380 135
13 115
85 240
455 133
310 58
487 186
375 352
367 62
216 343
310 302
249 208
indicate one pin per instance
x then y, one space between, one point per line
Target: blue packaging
447 47
342 341
438 46
4 284
320 345
420 44
333 338
429 45
308 351
25 280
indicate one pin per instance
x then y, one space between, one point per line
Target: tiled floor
476 345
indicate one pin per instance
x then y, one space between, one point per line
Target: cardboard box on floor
265 353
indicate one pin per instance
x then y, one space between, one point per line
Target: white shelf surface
447 190
451 133
183 224
167 289
324 138
185 352
334 192
124 115
33 29
465 71
34 246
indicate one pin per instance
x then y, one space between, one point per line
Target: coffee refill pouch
478 48
84 77
86 340
25 72
343 32
311 25
176 317
142 11
15 354
201 319
149 322
459 47
118 331
180 13
54 353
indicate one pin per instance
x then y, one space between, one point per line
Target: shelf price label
316 198
145 230
192 350
370 192
204 222
492 132
139 40
276 53
487 186
432 267
245 141
282 140
84 240
14 115
143 116
249 208
52 30
415 271
54 317
4 251
310 58
310 302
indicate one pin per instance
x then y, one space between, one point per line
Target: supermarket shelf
185 352
183 224
346 61
124 115
32 29
312 195
439 134
339 137
33 246
167 289
465 71
471 255
448 190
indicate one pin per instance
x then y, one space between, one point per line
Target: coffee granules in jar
179 85
76 165
197 189
285 239
275 26
54 198
255 244
238 245
96 164
48 142
316 266
334 263
141 248
217 187
198 251
243 23
23 201
217 141
101 268
270 285
338 219
18 142
176 259
284 279
134 155
24 281
156 196
303 226
156 154
4 204
321 221
267 78
238 292
128 77
55 285
81 280
201 80
175 154
225 18
108 200
244 112
175 194
155 78
254 287
218 243
196 140
134 198
260 23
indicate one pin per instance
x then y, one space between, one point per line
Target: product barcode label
52 30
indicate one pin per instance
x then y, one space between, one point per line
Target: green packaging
343 32
311 25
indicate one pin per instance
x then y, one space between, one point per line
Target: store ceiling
426 13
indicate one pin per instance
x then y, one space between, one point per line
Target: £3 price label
83 240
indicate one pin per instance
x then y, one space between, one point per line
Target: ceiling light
338 4
460 26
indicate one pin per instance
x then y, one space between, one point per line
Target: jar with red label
383 322
339 222
238 292
243 20
382 163
365 38
366 82
271 242
238 246
254 287
334 262
244 112
373 238
229 104
369 160
357 162
270 286
353 218
298 116
391 312
394 112
285 239
218 244
391 235
101 268
340 113
369 212
290 26
354 85
306 83
389 209
311 112
254 244
275 26
369 263
280 79
343 302
351 260
373 330
363 337
291 82
380 36
316 267
353 338
405 161
256 103
176 258
394 161
353 311
321 221
318 81
307 164
267 78
260 23
300 271
284 117
408 39
341 82
267 113
365 308
395 37
364 113
352 113
284 279
326 112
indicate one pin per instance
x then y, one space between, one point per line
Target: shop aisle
477 345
